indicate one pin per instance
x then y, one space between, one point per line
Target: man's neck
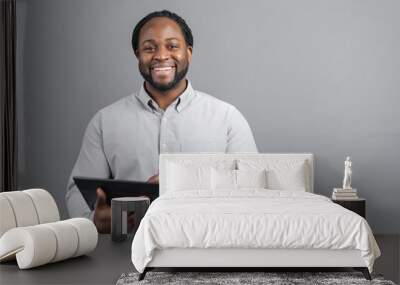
164 99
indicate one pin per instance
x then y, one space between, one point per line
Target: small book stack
344 194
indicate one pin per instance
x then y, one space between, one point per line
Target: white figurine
347 174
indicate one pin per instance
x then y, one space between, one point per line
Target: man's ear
136 53
189 51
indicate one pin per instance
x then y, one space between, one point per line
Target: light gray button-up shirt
124 139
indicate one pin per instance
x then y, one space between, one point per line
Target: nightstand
355 205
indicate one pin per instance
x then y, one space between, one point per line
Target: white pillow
182 177
192 174
223 179
251 178
282 174
237 179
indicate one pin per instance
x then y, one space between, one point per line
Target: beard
179 75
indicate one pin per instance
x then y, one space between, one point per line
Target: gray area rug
228 278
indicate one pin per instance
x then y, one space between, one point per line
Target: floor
96 268
389 262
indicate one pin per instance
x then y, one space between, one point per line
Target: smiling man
124 140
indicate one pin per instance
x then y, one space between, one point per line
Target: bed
245 211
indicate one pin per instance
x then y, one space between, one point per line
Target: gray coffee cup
121 209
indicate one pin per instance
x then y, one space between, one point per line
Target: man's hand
102 213
153 179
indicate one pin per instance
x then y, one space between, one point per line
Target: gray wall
310 76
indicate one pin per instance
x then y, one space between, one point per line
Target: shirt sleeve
91 162
240 136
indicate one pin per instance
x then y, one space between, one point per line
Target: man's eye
148 49
173 47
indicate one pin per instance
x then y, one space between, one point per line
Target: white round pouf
67 240
33 246
45 205
87 235
40 244
7 218
23 208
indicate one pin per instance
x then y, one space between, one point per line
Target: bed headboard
165 158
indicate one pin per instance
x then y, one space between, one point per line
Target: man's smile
163 70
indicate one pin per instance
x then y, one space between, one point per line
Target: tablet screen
114 189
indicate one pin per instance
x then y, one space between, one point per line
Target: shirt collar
147 101
180 103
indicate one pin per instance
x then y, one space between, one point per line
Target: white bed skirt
193 257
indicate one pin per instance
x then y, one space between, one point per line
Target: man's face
163 54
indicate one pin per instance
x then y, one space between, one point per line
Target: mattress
251 219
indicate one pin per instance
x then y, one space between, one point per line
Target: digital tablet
114 189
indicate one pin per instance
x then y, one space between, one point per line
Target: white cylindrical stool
121 209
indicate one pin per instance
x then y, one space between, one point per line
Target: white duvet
251 218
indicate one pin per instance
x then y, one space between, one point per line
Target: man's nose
162 54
